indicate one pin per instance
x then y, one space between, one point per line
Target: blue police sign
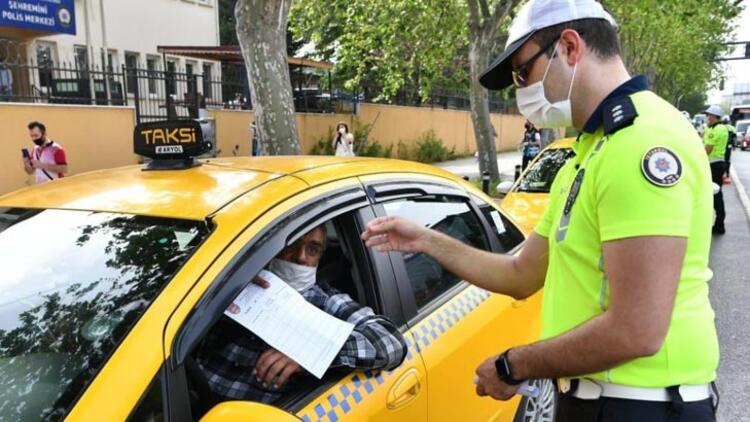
56 16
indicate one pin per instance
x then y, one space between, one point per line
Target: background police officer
731 142
622 250
716 138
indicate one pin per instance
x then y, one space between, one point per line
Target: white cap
715 110
533 16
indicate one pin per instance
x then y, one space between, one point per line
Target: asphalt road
730 296
506 164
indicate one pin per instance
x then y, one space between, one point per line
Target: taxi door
397 395
456 326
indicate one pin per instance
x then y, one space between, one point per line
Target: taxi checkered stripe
345 397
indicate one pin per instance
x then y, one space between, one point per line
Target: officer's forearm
597 345
498 273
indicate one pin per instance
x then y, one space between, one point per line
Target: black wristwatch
502 366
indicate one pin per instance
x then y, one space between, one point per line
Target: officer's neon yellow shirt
718 137
616 201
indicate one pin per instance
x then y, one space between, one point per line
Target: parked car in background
743 134
699 122
527 198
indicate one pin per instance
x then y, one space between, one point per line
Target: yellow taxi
112 279
527 198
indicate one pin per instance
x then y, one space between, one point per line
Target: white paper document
287 322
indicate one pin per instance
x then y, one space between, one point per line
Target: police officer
622 249
731 142
716 138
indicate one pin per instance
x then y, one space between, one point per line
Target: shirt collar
636 84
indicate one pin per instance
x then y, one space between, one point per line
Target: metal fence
172 93
61 84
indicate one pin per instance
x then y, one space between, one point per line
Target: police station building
51 50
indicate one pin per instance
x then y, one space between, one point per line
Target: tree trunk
479 51
261 31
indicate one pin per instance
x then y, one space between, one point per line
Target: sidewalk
506 163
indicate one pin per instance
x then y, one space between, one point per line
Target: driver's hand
258 280
394 234
274 368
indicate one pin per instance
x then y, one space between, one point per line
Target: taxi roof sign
171 144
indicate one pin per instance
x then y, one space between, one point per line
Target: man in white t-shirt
47 159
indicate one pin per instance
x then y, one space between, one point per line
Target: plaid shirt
230 351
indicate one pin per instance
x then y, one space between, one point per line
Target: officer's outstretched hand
387 234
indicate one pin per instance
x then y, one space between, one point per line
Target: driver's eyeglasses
312 249
521 74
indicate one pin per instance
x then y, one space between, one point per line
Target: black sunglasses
521 73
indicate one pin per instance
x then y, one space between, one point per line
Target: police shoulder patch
619 114
662 167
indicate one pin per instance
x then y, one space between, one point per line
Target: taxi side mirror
504 188
247 411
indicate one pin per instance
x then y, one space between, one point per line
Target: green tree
410 43
391 43
675 43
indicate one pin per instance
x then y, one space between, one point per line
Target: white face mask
342 130
299 277
533 104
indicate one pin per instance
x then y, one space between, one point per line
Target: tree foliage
675 42
395 43
388 43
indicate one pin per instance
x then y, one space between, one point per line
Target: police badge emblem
661 167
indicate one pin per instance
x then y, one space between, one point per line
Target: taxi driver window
451 216
542 173
74 283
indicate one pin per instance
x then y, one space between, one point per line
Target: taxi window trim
252 257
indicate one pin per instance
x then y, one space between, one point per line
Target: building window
45 59
131 64
171 83
82 58
207 75
152 65
113 62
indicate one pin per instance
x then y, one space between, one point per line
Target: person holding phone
343 141
47 159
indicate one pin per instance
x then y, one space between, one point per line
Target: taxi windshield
73 284
542 173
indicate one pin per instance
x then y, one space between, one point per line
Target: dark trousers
728 160
717 176
605 409
525 162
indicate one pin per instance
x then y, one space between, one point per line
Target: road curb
741 192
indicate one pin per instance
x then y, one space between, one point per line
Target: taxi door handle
404 390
